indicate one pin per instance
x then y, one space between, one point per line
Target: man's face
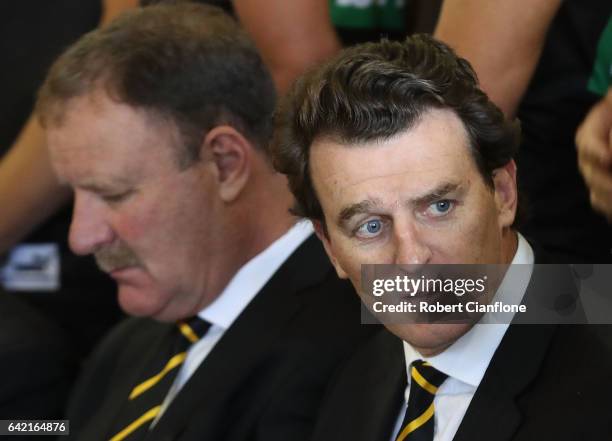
417 198
149 224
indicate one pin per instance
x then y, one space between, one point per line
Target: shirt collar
252 277
468 358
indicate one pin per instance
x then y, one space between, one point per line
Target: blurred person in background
37 363
535 60
594 137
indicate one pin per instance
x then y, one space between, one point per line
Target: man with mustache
398 158
160 123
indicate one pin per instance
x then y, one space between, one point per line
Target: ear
506 193
231 154
321 233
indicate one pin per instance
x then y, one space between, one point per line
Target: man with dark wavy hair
159 122
398 157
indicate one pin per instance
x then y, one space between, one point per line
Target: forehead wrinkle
335 188
333 177
92 163
88 168
437 191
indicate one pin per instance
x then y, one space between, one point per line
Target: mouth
120 273
423 296
118 269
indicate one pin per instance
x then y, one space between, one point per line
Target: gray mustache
109 259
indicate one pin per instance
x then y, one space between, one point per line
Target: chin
430 339
139 302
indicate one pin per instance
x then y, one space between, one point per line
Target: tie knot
427 376
193 328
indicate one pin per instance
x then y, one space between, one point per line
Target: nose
89 229
411 246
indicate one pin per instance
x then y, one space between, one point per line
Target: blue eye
440 208
443 206
373 227
370 229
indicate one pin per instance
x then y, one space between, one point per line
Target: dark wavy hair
188 63
376 90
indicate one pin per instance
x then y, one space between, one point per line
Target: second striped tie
418 424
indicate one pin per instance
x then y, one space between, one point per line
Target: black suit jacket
544 382
262 381
37 364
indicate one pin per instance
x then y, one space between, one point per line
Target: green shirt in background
601 78
369 14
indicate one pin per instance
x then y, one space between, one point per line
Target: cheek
480 240
473 231
341 251
129 229
141 227
351 257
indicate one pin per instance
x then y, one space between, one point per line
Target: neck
261 217
509 245
247 232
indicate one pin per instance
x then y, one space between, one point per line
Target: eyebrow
437 194
361 207
367 205
106 186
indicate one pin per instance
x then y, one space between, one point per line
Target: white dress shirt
466 360
238 293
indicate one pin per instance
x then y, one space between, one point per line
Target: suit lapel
384 395
151 336
245 346
493 412
367 393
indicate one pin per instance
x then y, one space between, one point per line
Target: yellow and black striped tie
418 424
146 398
